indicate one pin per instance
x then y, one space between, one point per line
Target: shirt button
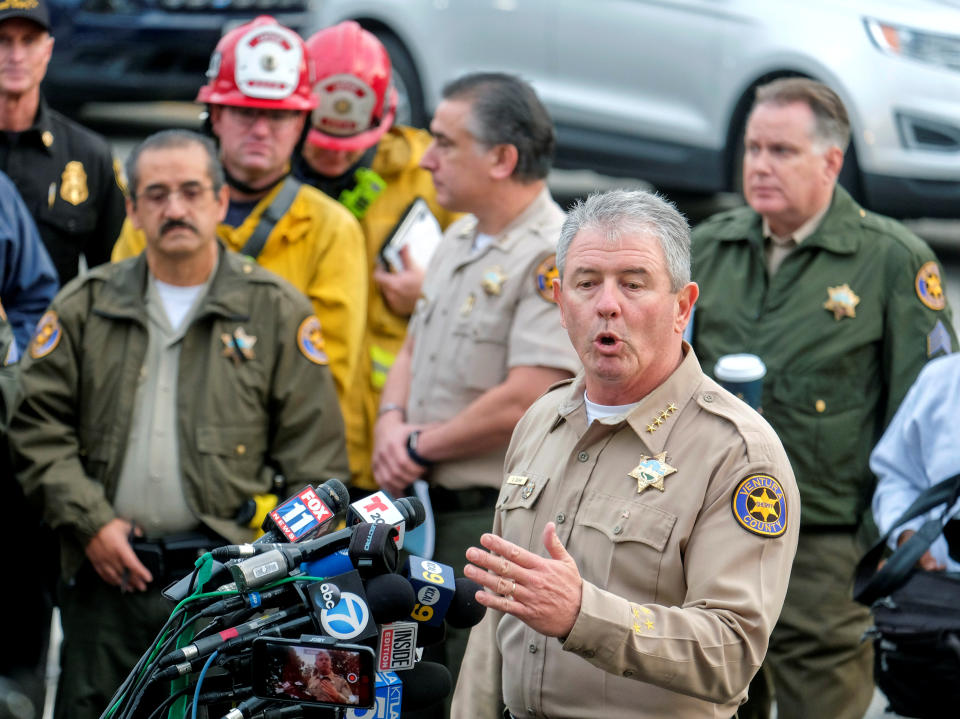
820 405
627 673
532 648
618 529
561 518
583 456
241 449
708 397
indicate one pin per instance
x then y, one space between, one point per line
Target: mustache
174 224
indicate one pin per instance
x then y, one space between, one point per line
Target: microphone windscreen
412 510
424 685
335 494
390 598
373 550
465 611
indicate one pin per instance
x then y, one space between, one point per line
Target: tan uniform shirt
482 314
679 598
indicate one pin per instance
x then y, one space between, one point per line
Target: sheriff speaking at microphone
647 518
159 394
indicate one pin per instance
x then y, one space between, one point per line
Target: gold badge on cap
239 345
651 471
493 280
544 276
842 301
929 286
73 183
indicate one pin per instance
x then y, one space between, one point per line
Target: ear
503 161
216 112
686 298
223 203
556 299
131 212
833 158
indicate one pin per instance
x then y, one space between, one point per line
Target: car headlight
943 50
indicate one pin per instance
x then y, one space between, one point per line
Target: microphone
334 563
373 549
464 610
206 645
350 618
425 685
390 598
305 514
378 508
398 646
434 586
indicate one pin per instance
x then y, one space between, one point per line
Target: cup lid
739 368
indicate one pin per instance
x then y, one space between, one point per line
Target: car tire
410 103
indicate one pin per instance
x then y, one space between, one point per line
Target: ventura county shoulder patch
760 506
929 286
544 276
47 335
310 340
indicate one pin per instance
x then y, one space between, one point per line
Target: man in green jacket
159 395
844 307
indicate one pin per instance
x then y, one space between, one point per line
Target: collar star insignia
842 302
493 280
651 471
660 418
239 345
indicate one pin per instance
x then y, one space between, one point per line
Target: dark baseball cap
35 10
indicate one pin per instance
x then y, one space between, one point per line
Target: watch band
412 440
391 407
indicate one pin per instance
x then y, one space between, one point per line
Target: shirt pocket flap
626 521
231 441
514 495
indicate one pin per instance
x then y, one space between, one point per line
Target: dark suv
144 50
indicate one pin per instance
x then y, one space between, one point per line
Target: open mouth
606 339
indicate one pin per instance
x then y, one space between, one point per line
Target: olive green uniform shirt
266 401
844 327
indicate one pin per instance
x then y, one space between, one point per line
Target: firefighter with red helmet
258 94
355 153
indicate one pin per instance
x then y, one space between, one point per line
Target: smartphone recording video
340 675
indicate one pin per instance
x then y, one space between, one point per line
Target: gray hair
168 139
505 110
625 212
831 124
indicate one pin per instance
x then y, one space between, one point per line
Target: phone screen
338 675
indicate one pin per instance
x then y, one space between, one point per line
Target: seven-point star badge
651 471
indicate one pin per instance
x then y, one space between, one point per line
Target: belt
462 500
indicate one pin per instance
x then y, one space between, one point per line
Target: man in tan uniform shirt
659 511
485 340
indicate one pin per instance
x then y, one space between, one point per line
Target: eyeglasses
248 116
190 193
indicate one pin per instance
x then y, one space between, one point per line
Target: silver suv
659 89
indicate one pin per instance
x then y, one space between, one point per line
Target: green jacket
277 408
833 380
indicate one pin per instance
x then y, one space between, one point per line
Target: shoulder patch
760 505
310 341
929 286
47 335
544 276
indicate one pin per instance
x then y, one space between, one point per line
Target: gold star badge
842 301
493 280
651 471
239 345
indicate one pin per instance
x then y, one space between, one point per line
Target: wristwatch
412 439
